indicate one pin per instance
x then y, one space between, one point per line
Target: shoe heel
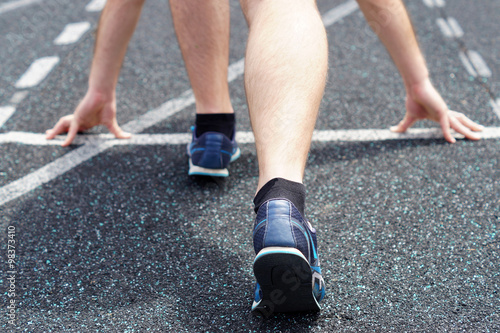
285 278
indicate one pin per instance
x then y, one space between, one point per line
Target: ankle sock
279 188
215 122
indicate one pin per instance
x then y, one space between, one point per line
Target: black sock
215 122
279 188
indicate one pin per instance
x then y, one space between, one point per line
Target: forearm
390 21
116 27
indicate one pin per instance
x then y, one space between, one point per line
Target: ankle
280 188
218 122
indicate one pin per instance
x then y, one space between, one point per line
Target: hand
424 102
94 109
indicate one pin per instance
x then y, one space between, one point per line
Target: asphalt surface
125 241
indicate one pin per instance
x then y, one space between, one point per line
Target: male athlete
285 73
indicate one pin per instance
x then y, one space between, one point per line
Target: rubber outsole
195 170
285 279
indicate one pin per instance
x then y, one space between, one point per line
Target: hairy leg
202 29
285 73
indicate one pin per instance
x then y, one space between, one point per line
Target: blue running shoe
286 266
211 153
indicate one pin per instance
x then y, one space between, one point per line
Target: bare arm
116 26
390 21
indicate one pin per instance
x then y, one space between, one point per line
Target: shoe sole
285 278
195 170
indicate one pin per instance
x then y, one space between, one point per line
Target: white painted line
95 5
161 113
373 135
72 33
450 28
50 171
496 106
38 139
429 3
439 3
99 143
18 97
26 138
235 70
8 6
444 27
79 155
5 113
479 64
354 135
37 72
339 12
455 27
156 139
468 66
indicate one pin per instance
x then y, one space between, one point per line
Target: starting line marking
352 135
96 144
